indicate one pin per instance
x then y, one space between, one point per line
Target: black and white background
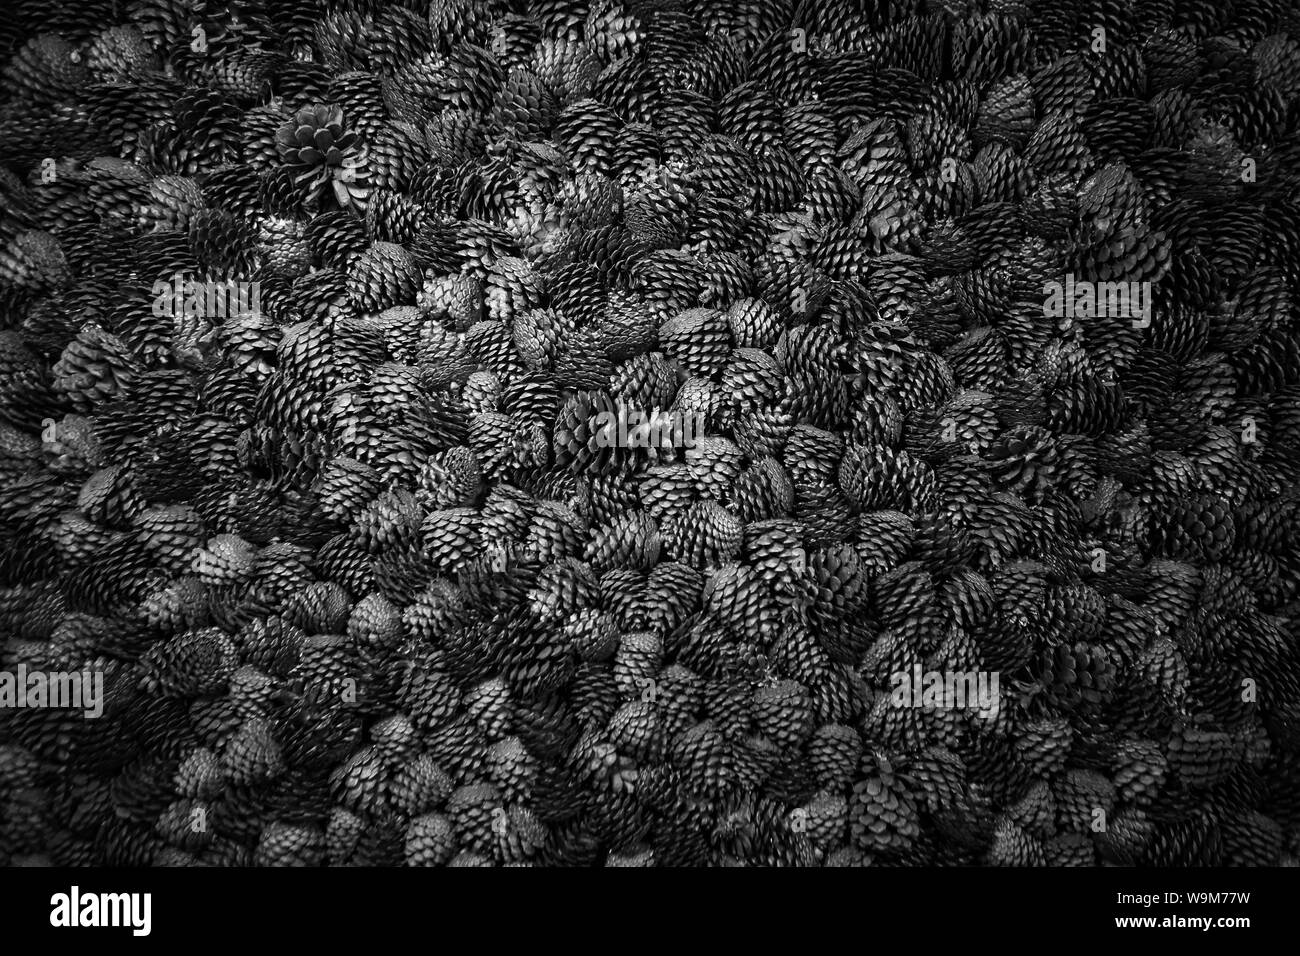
326 329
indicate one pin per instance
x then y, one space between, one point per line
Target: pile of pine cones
364 582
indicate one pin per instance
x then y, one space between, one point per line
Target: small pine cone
430 841
706 759
475 811
824 819
699 339
451 537
1007 114
1084 800
753 324
343 833
784 713
79 539
33 261
346 486
490 344
630 541
637 662
636 730
181 605
904 595
938 776
384 275
705 535
512 768
420 786
1044 745
200 775
752 378
226 560
587 132
280 569
435 611
883 539
1140 769
482 392
321 607
335 238
763 491
1012 846
375 622
287 844
737 596
252 755
521 835
882 816
1201 758
592 634
511 288
1035 812
560 589
361 783
394 738
251 691
270 644
458 298
714 463
392 218
538 336
1124 840
184 824
193 664
833 754
488 705
1077 674
109 496
326 669
94 368
214 721
74 447
665 490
